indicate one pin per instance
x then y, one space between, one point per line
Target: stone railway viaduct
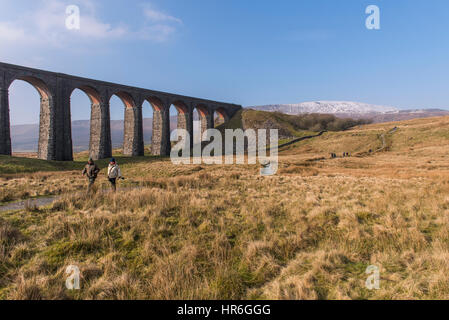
55 134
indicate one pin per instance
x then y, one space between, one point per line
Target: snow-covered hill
355 110
331 107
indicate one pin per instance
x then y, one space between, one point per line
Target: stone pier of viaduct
55 134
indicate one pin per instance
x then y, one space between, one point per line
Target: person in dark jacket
91 170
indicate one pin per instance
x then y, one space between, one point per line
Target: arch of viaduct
55 134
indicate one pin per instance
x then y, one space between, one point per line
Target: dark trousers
113 182
91 183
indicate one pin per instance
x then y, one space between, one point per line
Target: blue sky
245 52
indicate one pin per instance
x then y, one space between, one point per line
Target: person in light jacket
114 173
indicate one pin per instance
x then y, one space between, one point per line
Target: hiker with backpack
91 170
114 173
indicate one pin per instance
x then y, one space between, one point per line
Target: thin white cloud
46 26
159 26
158 16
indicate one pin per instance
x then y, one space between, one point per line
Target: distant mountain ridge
355 110
330 107
25 137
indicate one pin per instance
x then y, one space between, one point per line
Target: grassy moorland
290 126
225 232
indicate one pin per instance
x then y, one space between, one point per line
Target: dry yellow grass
220 232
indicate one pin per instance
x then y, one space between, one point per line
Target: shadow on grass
16 165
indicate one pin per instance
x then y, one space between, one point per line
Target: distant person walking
114 173
91 170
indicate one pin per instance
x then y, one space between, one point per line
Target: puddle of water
44 201
20 205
